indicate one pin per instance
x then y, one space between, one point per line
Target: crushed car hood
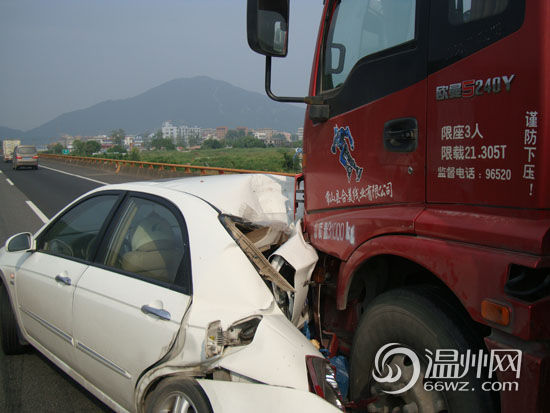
256 198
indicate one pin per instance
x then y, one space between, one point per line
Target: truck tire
8 326
175 395
400 324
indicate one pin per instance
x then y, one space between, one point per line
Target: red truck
426 193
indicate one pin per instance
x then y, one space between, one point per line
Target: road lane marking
39 213
75 175
9 181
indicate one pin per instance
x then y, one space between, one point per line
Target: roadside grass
258 159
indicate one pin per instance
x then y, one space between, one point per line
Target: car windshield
26 150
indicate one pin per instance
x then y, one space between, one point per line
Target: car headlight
322 381
239 333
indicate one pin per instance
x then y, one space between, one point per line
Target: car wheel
178 395
8 326
393 337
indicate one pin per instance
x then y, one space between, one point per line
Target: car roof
258 198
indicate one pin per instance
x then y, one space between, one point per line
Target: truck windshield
360 28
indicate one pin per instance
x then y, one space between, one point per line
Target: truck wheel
8 326
393 338
178 395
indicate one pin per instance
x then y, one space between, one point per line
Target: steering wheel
60 247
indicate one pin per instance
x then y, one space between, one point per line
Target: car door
46 279
128 308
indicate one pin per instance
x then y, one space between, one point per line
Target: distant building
260 135
300 134
186 132
208 133
169 131
179 134
221 131
267 132
242 129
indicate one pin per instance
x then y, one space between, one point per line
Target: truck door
484 103
371 68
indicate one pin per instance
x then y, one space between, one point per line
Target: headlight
322 381
239 333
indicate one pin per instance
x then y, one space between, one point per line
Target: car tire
417 319
9 335
177 392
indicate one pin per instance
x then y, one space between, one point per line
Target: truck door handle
62 279
162 314
401 135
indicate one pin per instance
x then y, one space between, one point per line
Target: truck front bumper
532 395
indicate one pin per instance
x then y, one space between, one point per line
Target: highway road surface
28 198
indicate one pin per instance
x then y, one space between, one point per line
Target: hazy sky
61 55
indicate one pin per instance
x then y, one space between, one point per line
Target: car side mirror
21 242
267 27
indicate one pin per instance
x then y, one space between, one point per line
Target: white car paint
226 287
302 257
232 397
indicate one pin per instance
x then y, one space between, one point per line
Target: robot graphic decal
344 142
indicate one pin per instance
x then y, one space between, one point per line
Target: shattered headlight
322 381
239 333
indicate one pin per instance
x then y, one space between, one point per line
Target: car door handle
162 314
62 279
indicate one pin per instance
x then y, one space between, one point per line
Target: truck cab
425 177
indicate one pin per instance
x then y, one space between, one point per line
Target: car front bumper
235 397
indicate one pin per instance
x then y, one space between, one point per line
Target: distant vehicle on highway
159 297
25 155
8 146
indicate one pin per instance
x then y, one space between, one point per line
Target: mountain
9 133
198 101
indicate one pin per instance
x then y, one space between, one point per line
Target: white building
186 132
170 131
179 134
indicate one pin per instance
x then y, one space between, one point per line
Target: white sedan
159 297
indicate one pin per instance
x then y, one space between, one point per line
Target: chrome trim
158 312
49 326
103 360
64 280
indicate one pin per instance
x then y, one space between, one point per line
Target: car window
26 150
147 241
75 233
360 28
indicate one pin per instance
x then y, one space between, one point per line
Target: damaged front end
283 259
240 338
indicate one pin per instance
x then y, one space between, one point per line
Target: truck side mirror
267 26
20 242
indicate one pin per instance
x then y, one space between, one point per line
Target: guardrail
159 166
